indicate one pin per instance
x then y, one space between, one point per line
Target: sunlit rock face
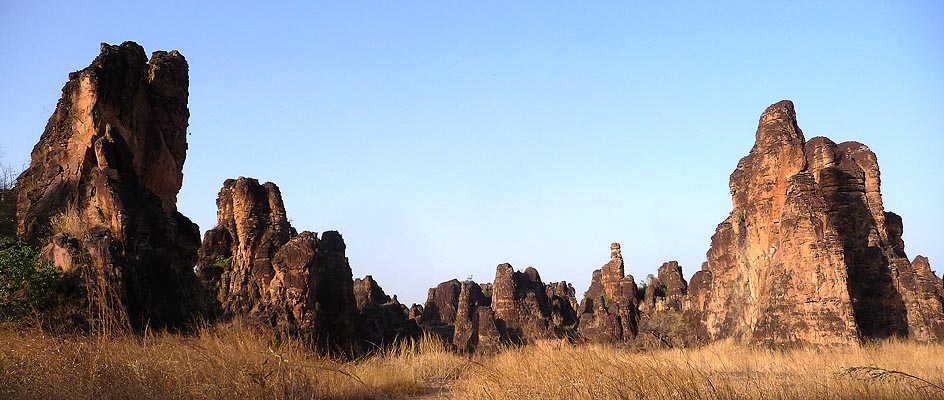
609 310
254 264
808 255
104 178
237 254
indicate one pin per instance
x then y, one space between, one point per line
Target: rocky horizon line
808 254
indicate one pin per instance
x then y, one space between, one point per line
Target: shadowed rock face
809 255
563 302
441 303
609 310
106 173
929 301
381 320
335 321
469 327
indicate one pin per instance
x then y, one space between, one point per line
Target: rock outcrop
254 264
381 320
516 309
475 328
104 179
563 302
236 257
674 287
289 302
808 255
609 310
522 309
439 314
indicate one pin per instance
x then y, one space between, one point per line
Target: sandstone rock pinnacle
105 176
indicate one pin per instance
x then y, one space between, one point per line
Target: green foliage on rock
25 283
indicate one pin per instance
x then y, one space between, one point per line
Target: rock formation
522 310
103 180
809 255
439 314
609 309
673 286
517 308
475 328
441 303
236 256
255 265
563 302
336 319
381 320
289 302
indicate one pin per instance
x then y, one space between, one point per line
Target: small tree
7 199
25 283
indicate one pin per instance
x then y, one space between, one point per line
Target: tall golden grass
228 361
890 370
232 361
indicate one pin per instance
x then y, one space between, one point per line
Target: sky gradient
444 139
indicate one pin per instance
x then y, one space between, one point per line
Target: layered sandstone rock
929 300
609 309
416 312
809 255
106 173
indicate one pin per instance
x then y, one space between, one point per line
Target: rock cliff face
104 179
609 310
809 255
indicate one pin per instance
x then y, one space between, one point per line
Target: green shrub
25 283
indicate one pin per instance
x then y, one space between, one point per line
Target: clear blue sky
444 139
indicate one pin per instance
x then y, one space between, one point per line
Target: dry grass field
233 362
